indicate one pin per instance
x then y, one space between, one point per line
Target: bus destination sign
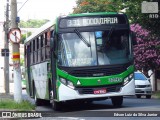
90 21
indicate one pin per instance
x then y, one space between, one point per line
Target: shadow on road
79 106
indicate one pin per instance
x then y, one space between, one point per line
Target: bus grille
97 72
115 88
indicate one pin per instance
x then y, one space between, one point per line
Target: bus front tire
117 101
56 105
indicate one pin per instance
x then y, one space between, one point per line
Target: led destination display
91 21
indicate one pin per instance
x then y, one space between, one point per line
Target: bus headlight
128 79
64 81
70 84
67 83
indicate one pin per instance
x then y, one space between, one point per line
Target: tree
24 36
146 52
84 6
132 8
32 23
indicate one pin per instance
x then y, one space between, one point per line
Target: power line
22 6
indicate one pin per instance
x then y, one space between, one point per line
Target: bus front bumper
66 93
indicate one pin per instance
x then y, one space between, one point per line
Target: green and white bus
82 57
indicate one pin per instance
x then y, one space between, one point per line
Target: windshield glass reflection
105 48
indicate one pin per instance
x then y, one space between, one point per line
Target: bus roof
96 13
40 30
51 23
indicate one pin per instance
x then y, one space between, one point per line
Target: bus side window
47 45
41 40
39 50
47 52
28 50
45 37
43 48
33 51
37 43
25 49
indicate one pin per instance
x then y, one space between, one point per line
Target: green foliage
24 36
84 6
22 61
157 94
12 105
32 23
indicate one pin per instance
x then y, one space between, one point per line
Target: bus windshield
106 48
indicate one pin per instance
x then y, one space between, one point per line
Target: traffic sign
5 52
15 35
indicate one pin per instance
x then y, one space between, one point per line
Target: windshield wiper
82 38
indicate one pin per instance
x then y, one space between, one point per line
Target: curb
6 96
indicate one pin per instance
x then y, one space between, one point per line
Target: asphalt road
102 109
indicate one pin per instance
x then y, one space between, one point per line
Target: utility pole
14 37
6 47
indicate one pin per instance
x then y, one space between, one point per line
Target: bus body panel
39 76
92 81
66 93
118 88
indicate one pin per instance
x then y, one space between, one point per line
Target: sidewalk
3 95
11 87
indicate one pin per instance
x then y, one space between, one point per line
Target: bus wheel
117 101
38 102
56 105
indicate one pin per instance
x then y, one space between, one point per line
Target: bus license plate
100 91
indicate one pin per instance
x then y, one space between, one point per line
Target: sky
40 9
1 10
44 9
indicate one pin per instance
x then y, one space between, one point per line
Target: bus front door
28 70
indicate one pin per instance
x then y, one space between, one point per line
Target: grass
10 104
157 94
